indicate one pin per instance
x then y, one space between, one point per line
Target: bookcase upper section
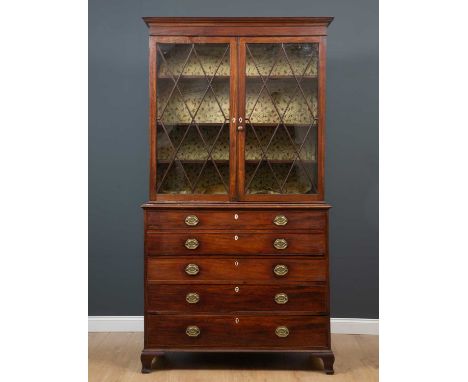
237 108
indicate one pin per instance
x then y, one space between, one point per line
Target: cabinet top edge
237 21
235 205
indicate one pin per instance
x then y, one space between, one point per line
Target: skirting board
135 324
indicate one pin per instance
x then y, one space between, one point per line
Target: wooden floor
115 357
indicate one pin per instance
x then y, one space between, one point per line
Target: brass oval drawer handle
192 269
280 244
192 298
281 298
192 331
280 220
191 243
191 220
280 270
282 331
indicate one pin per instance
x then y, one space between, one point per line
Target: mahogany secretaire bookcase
236 228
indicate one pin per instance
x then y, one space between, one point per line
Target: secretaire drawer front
237 219
233 242
277 269
243 331
229 298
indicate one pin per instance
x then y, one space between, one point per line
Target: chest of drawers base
236 278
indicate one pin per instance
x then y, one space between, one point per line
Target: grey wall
118 150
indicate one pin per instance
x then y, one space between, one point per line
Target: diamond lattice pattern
193 118
281 118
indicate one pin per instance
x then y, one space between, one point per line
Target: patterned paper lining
260 109
288 98
263 183
193 148
264 57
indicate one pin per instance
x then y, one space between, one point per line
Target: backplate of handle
280 220
192 331
282 331
191 243
280 244
281 298
280 270
192 269
192 298
192 220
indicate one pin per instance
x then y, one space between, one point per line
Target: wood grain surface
248 269
237 219
230 331
233 242
232 298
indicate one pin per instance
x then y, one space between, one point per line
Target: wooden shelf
278 77
226 161
204 124
284 77
213 124
279 161
263 124
192 77
194 161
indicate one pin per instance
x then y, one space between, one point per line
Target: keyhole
236 216
236 237
236 320
236 263
236 289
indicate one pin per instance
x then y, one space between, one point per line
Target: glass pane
192 118
281 118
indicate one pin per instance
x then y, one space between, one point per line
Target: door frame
319 196
233 94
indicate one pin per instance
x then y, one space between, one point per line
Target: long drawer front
231 298
237 219
233 243
243 331
232 269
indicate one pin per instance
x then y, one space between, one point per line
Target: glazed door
281 109
193 92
